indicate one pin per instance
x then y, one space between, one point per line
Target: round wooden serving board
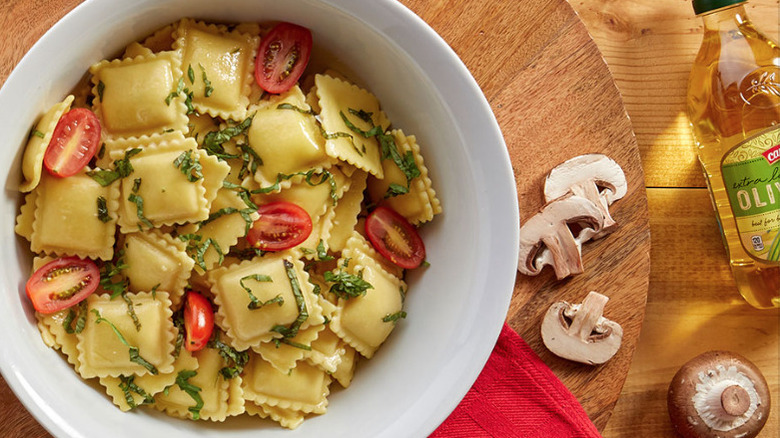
554 99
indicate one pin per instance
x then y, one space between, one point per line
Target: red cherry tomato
282 56
395 238
73 143
198 321
62 283
281 225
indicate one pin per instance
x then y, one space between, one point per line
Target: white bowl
456 307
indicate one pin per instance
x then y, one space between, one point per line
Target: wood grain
555 99
693 305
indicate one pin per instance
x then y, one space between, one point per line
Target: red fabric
517 395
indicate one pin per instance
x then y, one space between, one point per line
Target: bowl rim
504 277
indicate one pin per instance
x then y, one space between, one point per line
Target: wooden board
554 98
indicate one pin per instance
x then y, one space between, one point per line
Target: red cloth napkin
517 395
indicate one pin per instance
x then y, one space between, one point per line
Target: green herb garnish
128 386
396 190
37 133
189 166
197 247
303 313
131 311
182 380
394 317
135 356
122 169
235 359
209 89
289 106
322 252
174 94
67 323
214 140
139 204
102 210
254 302
111 269
346 285
101 87
191 74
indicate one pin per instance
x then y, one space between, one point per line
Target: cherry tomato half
62 283
395 238
282 56
281 225
198 321
73 143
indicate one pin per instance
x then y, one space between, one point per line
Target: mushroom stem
565 252
589 190
735 400
588 315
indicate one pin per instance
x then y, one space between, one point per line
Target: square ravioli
131 96
158 193
346 107
286 137
156 261
219 66
74 216
105 345
303 388
274 306
364 322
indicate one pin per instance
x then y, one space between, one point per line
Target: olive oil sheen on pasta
734 110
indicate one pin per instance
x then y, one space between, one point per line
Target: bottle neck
725 19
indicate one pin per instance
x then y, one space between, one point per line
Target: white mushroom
580 333
718 394
592 176
546 239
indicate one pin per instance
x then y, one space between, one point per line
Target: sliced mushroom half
546 239
592 176
580 333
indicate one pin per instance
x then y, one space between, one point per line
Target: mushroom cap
718 393
549 227
598 168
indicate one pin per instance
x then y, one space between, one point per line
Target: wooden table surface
692 304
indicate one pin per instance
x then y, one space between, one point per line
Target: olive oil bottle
734 109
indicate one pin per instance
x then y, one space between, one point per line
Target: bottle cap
702 6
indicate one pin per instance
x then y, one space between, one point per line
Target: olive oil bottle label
751 174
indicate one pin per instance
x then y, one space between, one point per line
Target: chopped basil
128 386
111 269
37 133
289 106
67 323
395 190
101 87
322 252
122 169
174 94
291 344
135 356
254 302
197 248
102 151
346 285
191 74
102 210
214 140
394 317
207 83
235 359
178 322
250 160
139 205
189 166
303 313
334 135
131 311
182 380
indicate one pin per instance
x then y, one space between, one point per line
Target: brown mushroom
580 333
718 394
592 176
546 239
